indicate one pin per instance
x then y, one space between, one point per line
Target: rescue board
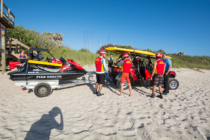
120 50
44 63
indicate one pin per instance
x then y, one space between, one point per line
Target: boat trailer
43 88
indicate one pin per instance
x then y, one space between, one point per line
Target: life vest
126 66
160 67
99 65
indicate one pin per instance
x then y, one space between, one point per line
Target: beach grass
88 58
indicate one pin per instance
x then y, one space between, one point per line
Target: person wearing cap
38 56
158 72
168 66
101 69
126 64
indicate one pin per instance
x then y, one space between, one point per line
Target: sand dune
76 113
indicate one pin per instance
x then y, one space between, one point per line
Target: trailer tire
125 86
173 84
42 90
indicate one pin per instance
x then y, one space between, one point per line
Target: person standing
101 69
168 66
126 67
110 62
158 72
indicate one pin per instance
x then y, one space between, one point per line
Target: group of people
160 74
23 55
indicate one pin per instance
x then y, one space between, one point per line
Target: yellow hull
120 50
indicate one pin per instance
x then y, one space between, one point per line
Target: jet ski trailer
43 77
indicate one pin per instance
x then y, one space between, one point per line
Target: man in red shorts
158 72
126 66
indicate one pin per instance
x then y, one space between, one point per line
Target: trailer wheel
173 84
125 86
42 90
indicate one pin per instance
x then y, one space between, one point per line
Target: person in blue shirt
168 66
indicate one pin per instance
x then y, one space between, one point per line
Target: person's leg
97 81
130 89
166 85
100 87
121 89
164 82
153 91
161 92
122 83
129 83
101 82
160 89
96 87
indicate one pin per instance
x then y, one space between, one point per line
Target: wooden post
8 16
13 19
3 54
2 7
16 48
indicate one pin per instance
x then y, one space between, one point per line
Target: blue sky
172 25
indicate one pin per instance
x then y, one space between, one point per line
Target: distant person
158 72
101 69
38 56
126 64
22 55
168 66
110 62
137 60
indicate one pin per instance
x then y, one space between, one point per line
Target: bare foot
130 95
120 94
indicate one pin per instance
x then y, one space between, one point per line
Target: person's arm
57 125
154 68
26 56
120 63
170 66
18 56
104 65
164 69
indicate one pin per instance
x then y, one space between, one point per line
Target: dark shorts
100 78
158 80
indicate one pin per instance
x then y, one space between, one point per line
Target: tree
84 50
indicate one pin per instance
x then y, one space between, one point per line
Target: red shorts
125 76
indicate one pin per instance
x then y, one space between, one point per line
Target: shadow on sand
41 129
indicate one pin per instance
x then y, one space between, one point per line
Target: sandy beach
77 113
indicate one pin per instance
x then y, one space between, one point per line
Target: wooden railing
10 17
11 45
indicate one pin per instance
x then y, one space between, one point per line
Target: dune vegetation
53 42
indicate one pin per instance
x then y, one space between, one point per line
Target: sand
77 113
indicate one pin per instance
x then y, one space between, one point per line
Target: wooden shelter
7 19
9 47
